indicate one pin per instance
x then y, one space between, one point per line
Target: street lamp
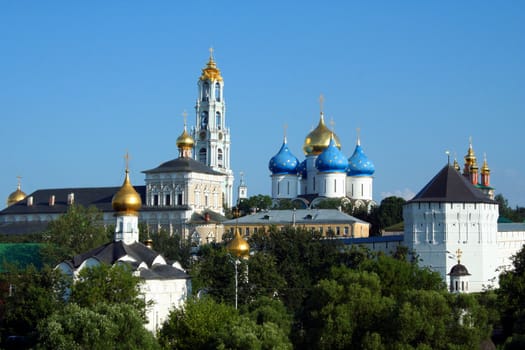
239 249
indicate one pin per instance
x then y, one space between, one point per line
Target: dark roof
459 270
451 187
111 252
99 197
183 165
200 219
22 228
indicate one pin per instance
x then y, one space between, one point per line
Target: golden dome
456 165
319 138
238 246
211 72
470 157
16 196
126 200
185 141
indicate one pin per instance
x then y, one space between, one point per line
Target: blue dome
331 159
284 162
359 164
301 169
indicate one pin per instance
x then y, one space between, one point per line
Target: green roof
20 254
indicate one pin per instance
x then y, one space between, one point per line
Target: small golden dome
211 72
185 141
456 165
238 246
126 200
470 157
16 196
319 138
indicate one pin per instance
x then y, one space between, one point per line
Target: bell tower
212 137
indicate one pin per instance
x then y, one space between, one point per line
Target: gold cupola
127 200
16 196
470 159
485 167
319 138
211 72
185 142
238 246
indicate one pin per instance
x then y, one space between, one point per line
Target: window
288 187
247 231
218 120
204 119
217 92
346 230
205 199
155 199
335 185
338 231
179 199
168 200
205 91
219 158
202 155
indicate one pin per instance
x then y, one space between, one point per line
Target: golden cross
321 102
184 115
458 254
211 53
127 158
19 179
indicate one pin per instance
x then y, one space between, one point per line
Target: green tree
108 284
258 202
102 326
172 247
390 211
206 324
30 296
77 231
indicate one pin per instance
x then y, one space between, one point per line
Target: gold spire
485 168
211 72
470 158
319 138
17 195
456 164
127 200
238 246
321 103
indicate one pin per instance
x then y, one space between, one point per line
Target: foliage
514 215
511 296
101 326
30 295
107 284
258 202
329 203
266 309
77 231
172 247
390 211
206 324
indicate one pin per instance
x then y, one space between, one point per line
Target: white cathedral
324 173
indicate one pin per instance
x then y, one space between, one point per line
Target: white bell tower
212 137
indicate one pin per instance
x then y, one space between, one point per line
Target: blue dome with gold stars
331 159
301 169
284 162
359 164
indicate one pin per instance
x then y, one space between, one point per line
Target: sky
82 83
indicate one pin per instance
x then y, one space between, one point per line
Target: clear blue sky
83 82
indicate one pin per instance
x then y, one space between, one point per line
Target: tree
30 296
172 247
258 202
390 211
206 324
108 284
102 326
79 230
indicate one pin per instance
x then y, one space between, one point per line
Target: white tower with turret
212 137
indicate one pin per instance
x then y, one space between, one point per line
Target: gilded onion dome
456 165
185 141
211 72
470 158
126 200
284 162
16 196
331 159
359 164
318 139
239 246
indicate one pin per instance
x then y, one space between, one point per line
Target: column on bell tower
212 137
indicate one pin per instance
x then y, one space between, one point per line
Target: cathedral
324 173
185 195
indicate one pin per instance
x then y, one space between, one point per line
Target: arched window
204 119
219 158
217 92
202 155
206 92
218 120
